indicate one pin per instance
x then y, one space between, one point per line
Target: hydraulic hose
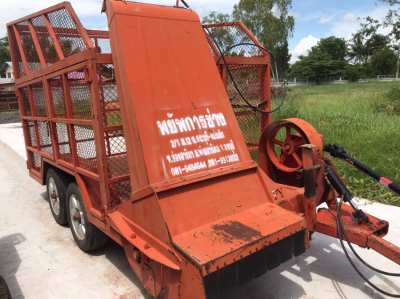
346 195
339 152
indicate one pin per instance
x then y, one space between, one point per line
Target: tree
221 36
367 41
383 62
270 21
215 17
333 47
353 73
393 21
4 55
325 61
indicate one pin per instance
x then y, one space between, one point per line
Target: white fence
295 82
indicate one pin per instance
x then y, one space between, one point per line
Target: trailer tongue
150 146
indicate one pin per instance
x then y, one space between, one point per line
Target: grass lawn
347 115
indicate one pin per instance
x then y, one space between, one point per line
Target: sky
314 19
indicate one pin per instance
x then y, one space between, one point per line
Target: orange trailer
150 145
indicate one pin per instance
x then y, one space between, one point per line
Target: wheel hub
77 217
54 196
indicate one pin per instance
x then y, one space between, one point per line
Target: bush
391 102
352 73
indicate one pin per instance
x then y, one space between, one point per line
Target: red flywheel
281 143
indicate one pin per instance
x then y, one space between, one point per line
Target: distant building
7 81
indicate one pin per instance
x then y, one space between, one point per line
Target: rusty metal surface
238 235
356 233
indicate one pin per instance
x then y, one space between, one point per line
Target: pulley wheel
281 143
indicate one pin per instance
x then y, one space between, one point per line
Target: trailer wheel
87 236
56 192
4 291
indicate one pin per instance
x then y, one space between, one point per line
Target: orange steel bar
98 128
21 50
385 248
36 43
51 122
88 42
53 37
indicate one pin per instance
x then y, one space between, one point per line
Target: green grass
347 115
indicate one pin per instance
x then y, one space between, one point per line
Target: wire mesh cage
115 142
243 65
46 38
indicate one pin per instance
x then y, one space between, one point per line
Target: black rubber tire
94 238
61 184
4 291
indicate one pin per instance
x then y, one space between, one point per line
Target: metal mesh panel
115 142
109 94
45 137
249 80
86 147
116 154
103 44
31 132
66 31
25 100
45 41
36 161
80 94
120 191
229 36
111 105
64 147
57 93
13 42
28 46
39 99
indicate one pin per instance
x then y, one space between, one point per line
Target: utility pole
398 62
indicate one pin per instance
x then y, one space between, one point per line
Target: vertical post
34 114
88 42
309 172
22 113
51 116
21 50
398 63
53 37
267 119
98 129
13 52
36 44
69 116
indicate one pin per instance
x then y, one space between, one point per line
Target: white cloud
349 22
14 9
325 19
303 47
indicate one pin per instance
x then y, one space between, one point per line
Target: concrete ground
38 258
